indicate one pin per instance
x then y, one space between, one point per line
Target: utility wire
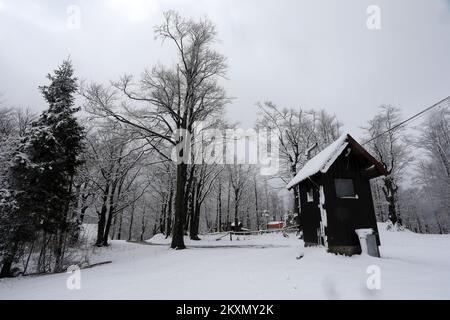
409 119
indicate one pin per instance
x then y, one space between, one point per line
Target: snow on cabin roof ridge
322 161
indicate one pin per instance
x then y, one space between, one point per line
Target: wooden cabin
335 196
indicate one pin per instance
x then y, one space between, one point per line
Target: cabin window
310 195
345 188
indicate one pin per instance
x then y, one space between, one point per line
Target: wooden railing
259 232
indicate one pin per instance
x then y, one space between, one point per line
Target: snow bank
159 238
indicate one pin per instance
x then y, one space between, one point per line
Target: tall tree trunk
390 192
217 217
207 220
8 260
180 204
162 217
190 211
249 223
189 198
111 208
195 219
102 217
195 222
29 257
228 206
169 211
83 213
256 204
113 235
236 210
119 233
107 229
143 226
193 202
438 223
118 184
41 259
130 230
266 189
219 209
59 251
62 230
78 201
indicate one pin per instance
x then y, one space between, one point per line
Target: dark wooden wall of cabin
346 215
310 213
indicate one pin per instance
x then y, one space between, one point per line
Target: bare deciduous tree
171 99
299 133
387 146
239 176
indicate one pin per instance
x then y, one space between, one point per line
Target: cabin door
311 216
348 206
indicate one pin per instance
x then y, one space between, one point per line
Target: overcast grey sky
314 54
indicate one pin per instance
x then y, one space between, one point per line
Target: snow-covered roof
321 162
324 159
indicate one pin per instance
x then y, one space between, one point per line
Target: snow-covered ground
254 267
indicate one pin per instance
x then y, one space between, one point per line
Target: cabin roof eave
325 159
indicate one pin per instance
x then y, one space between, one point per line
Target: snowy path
413 266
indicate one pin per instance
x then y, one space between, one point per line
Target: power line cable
409 119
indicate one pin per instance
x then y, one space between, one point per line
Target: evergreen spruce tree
43 167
